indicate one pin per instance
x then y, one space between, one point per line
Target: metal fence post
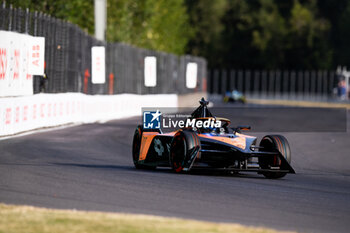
313 84
19 20
3 19
271 81
223 82
247 82
209 82
256 84
27 21
240 80
332 83
325 84
278 84
285 82
216 80
232 80
14 19
263 84
306 91
35 24
319 84
299 85
10 18
292 93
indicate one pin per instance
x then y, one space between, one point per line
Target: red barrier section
86 79
111 83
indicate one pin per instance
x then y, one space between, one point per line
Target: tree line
251 34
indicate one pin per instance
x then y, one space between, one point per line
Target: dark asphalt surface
89 167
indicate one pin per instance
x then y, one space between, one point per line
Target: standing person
43 80
342 89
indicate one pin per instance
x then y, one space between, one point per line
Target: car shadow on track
226 174
203 172
99 166
164 170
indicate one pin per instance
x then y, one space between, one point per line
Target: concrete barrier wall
20 114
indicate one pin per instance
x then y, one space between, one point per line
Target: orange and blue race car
215 147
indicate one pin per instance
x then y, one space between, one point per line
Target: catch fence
275 84
68 59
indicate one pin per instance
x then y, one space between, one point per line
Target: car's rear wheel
136 146
273 143
185 144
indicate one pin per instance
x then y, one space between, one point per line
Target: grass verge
32 219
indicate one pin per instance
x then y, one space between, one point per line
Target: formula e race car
234 96
212 146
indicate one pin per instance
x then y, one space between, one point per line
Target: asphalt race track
89 167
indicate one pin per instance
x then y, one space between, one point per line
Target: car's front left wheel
184 149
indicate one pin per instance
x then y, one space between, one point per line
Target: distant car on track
217 148
234 96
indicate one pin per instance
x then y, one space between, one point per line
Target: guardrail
26 113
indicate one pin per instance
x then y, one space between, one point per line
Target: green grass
28 219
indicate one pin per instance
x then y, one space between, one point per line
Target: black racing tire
136 145
272 143
182 145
